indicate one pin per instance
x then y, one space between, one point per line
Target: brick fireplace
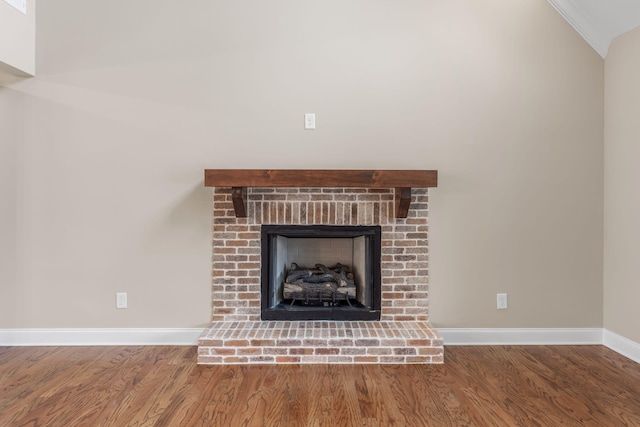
244 201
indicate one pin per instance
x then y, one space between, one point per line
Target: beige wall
17 41
622 175
11 138
134 99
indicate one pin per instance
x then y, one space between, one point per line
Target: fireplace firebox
320 272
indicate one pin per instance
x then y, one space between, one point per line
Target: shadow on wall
183 226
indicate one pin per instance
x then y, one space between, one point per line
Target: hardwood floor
162 386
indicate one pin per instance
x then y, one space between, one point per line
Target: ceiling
600 21
597 21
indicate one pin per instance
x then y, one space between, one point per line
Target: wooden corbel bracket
403 200
239 197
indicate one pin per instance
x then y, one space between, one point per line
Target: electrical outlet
502 301
121 300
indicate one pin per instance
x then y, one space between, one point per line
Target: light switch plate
309 121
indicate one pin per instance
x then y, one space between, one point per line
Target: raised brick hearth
237 335
320 342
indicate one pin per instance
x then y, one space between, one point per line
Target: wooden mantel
401 180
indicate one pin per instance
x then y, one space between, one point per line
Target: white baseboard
520 336
107 336
451 336
622 345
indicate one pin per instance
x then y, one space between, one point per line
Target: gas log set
321 285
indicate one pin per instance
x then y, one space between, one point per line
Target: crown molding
599 22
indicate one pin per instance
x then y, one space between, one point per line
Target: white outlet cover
502 303
21 5
121 300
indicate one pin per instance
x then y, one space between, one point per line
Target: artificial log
318 292
319 284
340 274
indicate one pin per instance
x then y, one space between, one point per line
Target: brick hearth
237 335
320 342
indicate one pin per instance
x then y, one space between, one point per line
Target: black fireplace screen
320 272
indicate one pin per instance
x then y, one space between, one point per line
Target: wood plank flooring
163 386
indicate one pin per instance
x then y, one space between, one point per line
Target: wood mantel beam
320 178
402 180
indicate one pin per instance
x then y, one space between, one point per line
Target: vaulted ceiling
600 21
597 21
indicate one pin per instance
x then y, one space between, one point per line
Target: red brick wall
236 244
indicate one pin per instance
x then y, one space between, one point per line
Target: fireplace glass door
320 272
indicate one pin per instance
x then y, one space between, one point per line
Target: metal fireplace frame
373 240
